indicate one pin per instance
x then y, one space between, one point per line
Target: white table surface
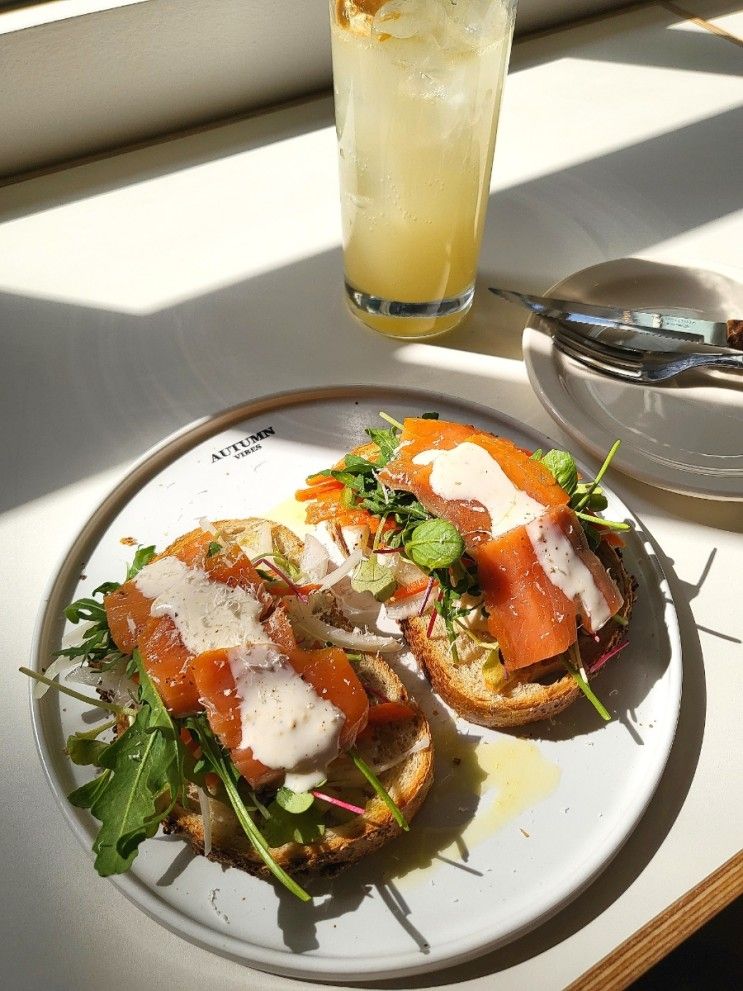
140 292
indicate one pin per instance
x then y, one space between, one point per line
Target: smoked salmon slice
127 613
327 670
163 653
468 516
168 663
529 614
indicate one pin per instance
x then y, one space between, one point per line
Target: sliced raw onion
206 815
260 542
355 537
405 571
423 744
344 569
113 682
324 531
407 608
360 640
359 608
61 666
314 560
206 525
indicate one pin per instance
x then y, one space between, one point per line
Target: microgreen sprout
600 521
391 420
379 789
582 683
600 474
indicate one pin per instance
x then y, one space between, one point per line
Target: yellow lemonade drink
417 93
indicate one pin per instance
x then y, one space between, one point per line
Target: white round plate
686 435
476 871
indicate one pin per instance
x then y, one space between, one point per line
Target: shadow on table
660 37
118 382
641 846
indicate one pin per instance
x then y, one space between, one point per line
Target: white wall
78 77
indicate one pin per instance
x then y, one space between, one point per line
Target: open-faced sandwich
267 746
252 710
509 588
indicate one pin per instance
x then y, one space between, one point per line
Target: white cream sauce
564 568
467 472
284 721
207 614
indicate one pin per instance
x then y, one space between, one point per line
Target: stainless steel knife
642 329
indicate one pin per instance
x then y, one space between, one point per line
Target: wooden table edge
662 934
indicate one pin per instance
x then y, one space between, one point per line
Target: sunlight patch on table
158 242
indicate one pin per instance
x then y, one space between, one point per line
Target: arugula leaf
360 466
371 576
214 548
349 479
85 752
97 647
435 543
87 795
347 497
387 440
142 556
141 781
136 797
563 467
429 416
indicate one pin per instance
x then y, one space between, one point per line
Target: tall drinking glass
417 93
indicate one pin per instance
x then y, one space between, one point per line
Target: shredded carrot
326 506
190 744
612 538
408 591
390 712
318 489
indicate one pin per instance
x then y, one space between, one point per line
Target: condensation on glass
418 87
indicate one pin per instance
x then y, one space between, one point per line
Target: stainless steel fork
632 364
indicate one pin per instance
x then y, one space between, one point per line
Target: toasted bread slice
530 694
407 746
249 533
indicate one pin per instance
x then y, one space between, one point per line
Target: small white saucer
685 436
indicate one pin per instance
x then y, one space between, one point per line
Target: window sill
79 77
